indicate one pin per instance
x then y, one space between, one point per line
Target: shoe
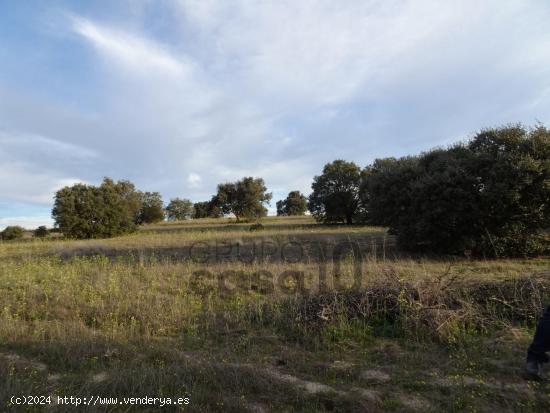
533 370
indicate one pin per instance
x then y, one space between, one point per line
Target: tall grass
142 321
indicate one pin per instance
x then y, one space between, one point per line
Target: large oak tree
244 199
335 196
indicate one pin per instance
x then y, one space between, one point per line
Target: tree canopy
152 208
41 232
207 209
245 198
335 196
179 209
87 211
489 196
294 204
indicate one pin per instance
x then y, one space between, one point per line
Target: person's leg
536 354
541 340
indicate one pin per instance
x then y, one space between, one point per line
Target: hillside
239 320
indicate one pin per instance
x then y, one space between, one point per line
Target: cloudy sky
179 95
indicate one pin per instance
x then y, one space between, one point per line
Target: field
291 317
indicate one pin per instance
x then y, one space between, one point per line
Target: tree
86 211
512 169
130 197
152 208
281 207
335 196
41 232
385 187
12 233
489 196
207 209
200 210
244 198
294 204
179 209
437 206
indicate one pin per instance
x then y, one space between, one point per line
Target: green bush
12 233
487 197
41 232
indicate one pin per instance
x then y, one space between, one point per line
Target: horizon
179 96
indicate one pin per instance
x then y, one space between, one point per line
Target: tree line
486 196
15 232
115 208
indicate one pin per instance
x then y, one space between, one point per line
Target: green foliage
335 196
12 233
200 209
294 204
86 211
207 209
131 198
41 232
244 198
179 209
383 188
280 208
486 197
152 208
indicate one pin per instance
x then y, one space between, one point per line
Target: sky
180 95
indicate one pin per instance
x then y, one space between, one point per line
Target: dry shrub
441 308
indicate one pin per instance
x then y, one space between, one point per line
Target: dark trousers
541 341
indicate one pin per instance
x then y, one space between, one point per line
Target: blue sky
179 95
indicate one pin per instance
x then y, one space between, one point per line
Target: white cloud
42 145
190 122
31 166
211 91
23 183
194 180
317 52
131 50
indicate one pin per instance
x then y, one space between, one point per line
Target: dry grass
446 334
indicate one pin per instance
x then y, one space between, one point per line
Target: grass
132 317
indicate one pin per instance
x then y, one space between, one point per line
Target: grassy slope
75 322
